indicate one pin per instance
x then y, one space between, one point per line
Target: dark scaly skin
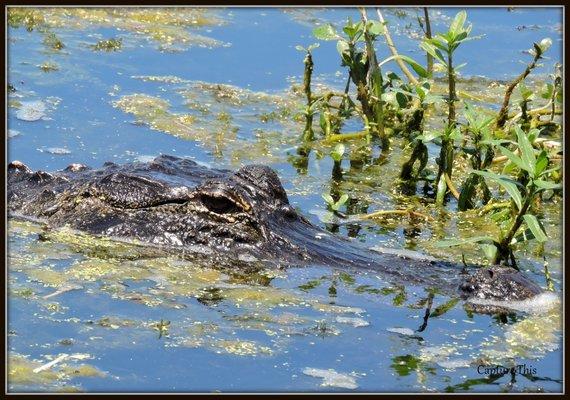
180 206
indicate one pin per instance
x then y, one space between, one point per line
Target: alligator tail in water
179 205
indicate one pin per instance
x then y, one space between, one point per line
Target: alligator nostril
289 213
466 287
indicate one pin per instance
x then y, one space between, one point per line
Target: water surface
128 323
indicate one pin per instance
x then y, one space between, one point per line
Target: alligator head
168 202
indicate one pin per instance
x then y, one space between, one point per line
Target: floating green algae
49 66
50 376
170 28
530 338
113 44
240 347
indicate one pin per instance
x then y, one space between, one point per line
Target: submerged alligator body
176 204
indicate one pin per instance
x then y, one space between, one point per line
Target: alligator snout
499 284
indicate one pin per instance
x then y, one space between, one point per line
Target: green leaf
402 99
441 40
541 162
535 227
392 76
441 45
346 278
457 68
441 190
524 236
533 134
455 134
445 307
310 285
421 92
526 93
323 123
527 151
340 202
376 28
338 152
300 48
457 242
429 136
515 159
350 30
545 185
467 194
508 168
490 251
431 50
328 198
459 38
547 94
457 25
418 69
342 47
325 32
508 184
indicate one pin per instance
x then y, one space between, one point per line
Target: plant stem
504 251
494 206
428 36
451 186
394 51
549 283
503 112
446 152
383 213
451 119
308 134
374 83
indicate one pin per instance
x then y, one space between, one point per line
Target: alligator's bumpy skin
177 204
499 283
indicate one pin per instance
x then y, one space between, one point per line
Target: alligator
176 204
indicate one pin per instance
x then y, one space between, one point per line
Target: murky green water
222 87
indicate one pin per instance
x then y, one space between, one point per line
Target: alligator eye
220 205
491 273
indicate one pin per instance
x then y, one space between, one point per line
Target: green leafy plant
534 167
335 205
537 52
414 127
478 129
338 152
309 108
364 70
442 47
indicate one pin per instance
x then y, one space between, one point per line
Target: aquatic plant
532 181
364 71
537 52
478 128
448 43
